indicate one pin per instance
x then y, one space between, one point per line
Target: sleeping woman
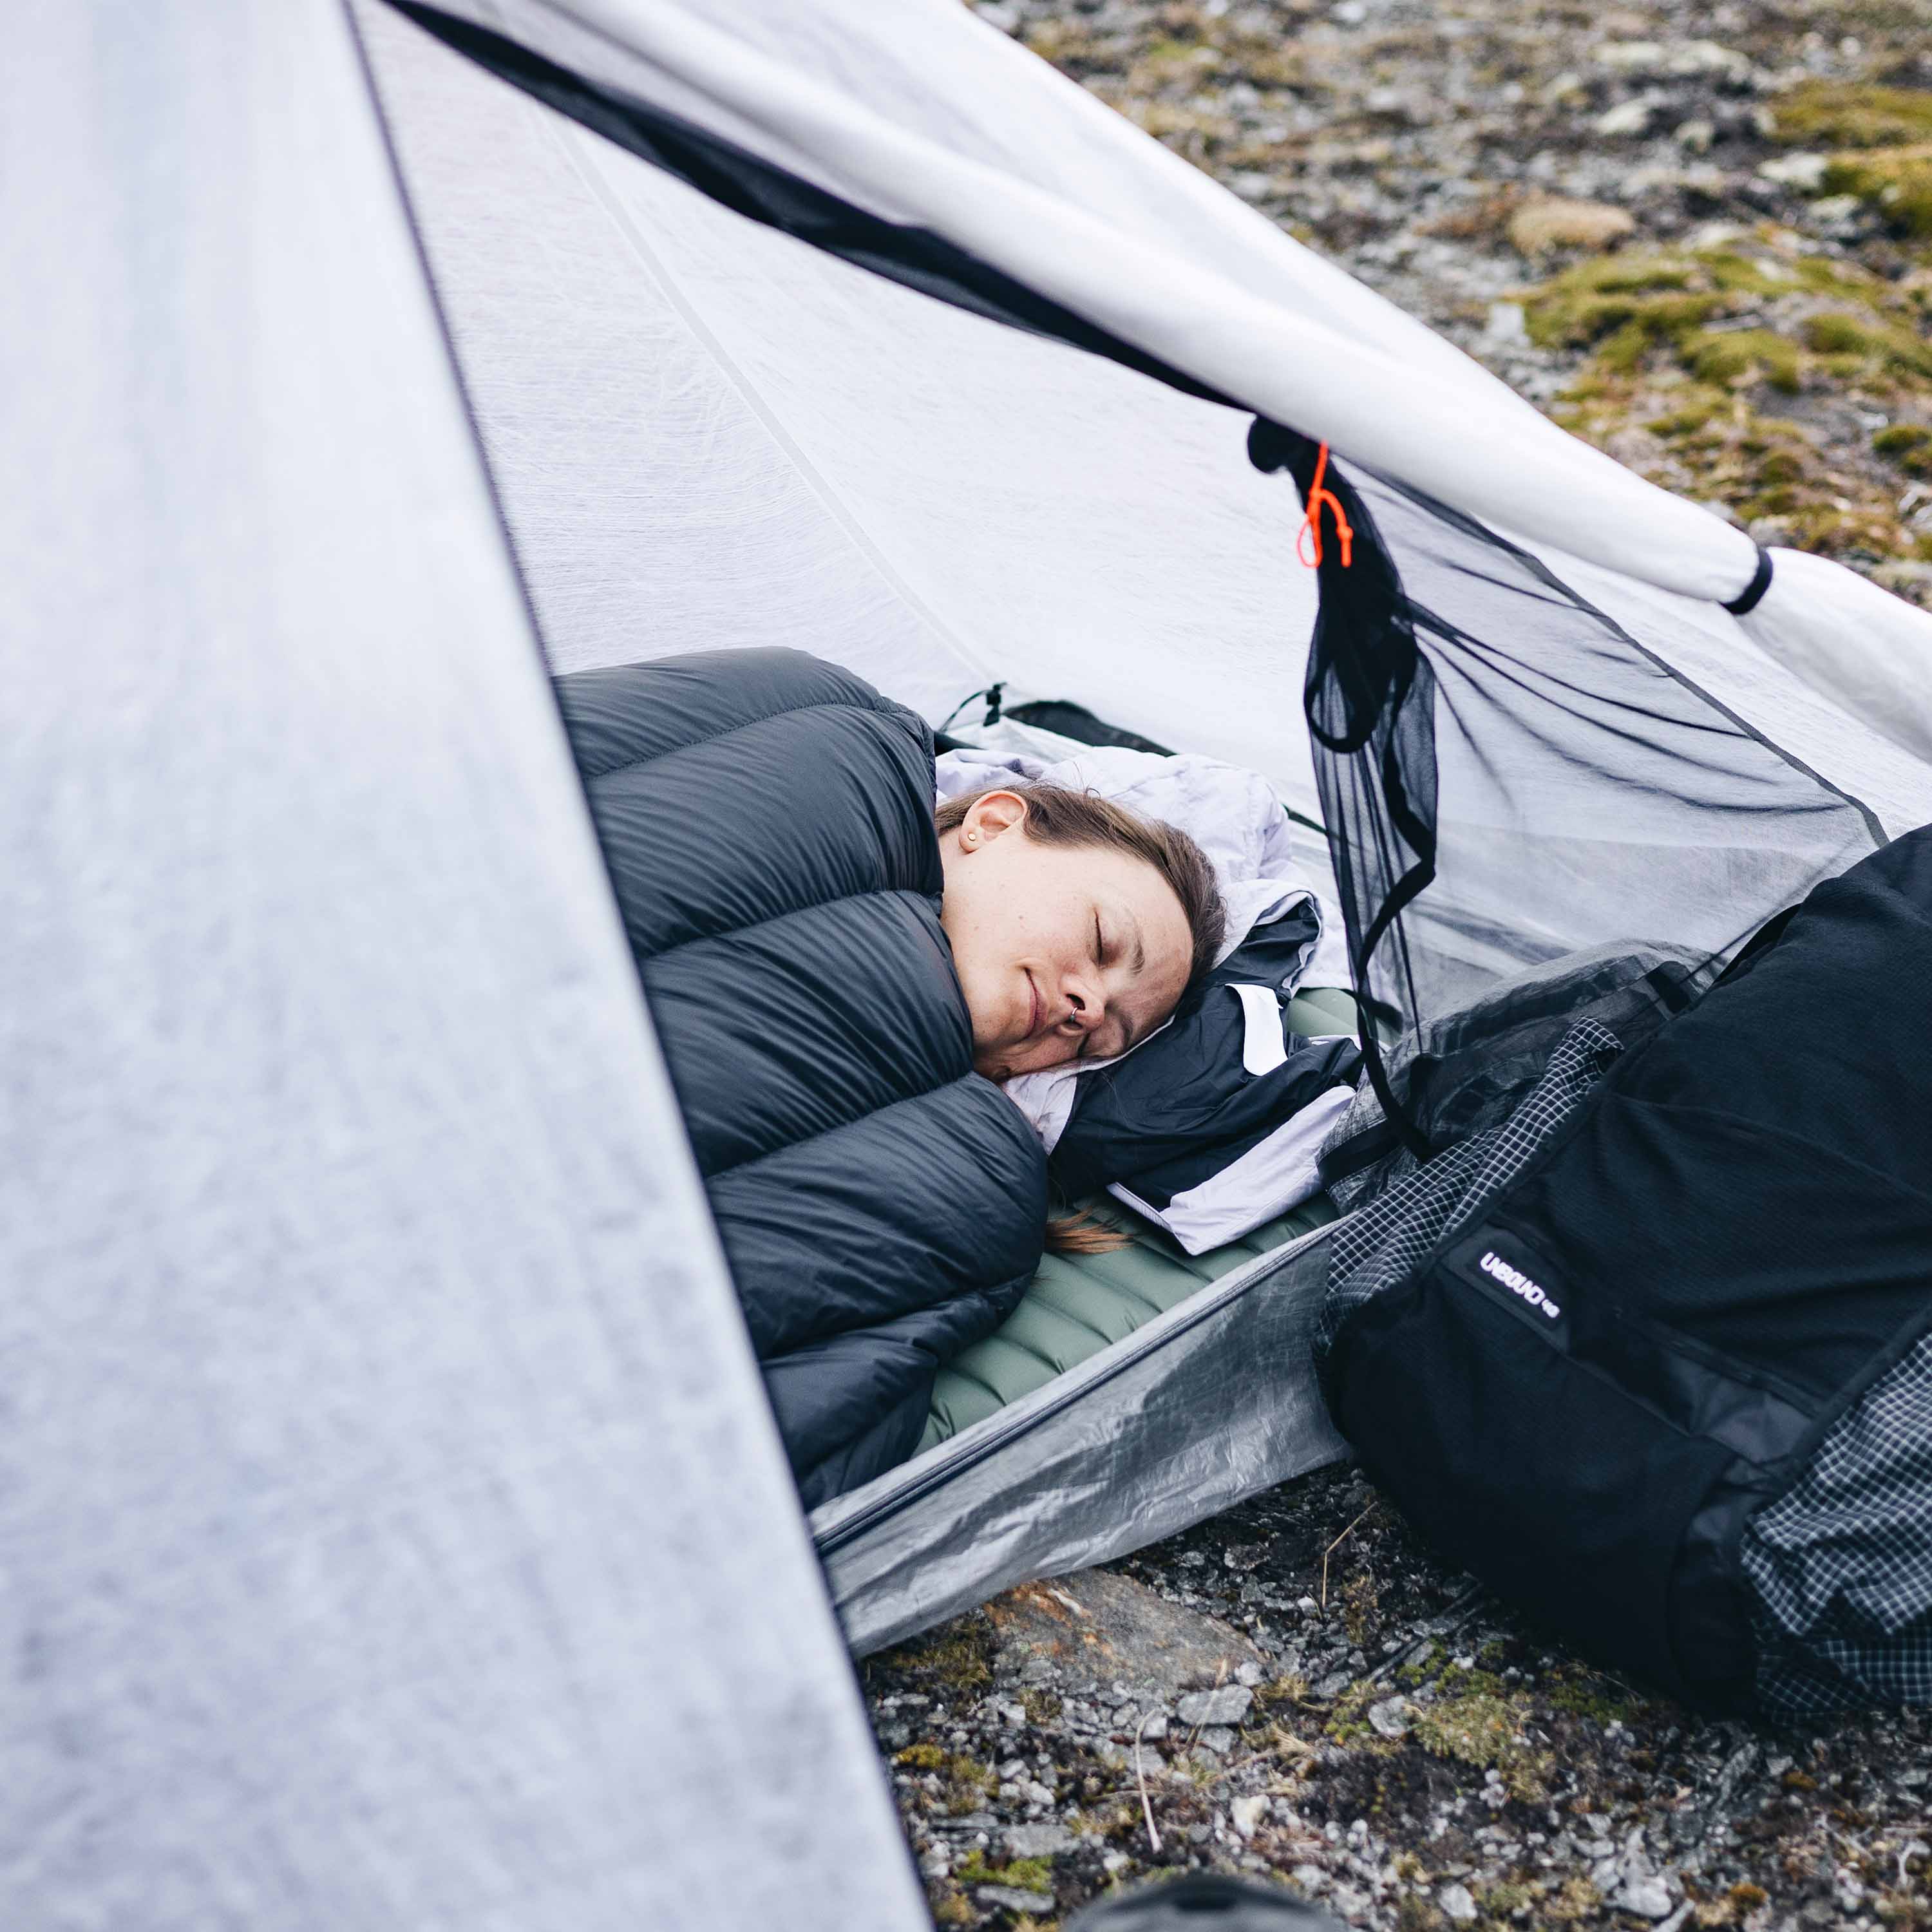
1075 926
839 981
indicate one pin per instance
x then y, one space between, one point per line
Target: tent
395 1531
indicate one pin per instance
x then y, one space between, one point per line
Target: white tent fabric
371 1361
920 113
704 433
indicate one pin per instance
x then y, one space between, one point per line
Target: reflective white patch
1278 1174
1264 1048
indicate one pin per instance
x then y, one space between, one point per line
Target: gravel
1415 1755
1300 1689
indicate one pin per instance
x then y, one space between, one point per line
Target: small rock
1802 172
1249 1674
1506 326
1013 1898
1648 1897
1456 1904
1156 1727
1247 1813
1310 1878
1632 56
1098 1624
1627 117
1218 1738
1229 1705
1555 221
1694 137
935 1861
1390 1718
1044 1840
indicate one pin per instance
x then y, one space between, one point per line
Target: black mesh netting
1506 775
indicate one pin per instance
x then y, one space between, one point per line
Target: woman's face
1065 951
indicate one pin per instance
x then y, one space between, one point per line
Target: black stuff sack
1649 1355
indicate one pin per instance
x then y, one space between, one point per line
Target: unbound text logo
1517 1282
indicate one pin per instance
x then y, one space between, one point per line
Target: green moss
1042 1707
968 1783
1838 114
1425 1665
1888 347
1897 184
1349 1723
1584 1694
1501 1900
1908 445
1686 421
1023 1874
1577 1899
1626 303
1476 1721
959 1658
1656 358
1742 355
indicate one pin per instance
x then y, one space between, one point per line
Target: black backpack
1646 1349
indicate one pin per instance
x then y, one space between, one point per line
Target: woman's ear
990 814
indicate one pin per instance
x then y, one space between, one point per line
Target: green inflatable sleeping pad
1076 1304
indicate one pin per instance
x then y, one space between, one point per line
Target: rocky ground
1701 238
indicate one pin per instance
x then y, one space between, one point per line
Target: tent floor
1077 1304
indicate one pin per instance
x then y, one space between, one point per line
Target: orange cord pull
1318 493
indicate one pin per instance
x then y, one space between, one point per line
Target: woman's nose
1086 1007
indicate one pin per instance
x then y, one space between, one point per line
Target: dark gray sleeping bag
767 820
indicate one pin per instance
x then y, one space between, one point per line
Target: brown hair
1057 815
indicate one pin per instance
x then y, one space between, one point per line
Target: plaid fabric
1842 1562
1386 1242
